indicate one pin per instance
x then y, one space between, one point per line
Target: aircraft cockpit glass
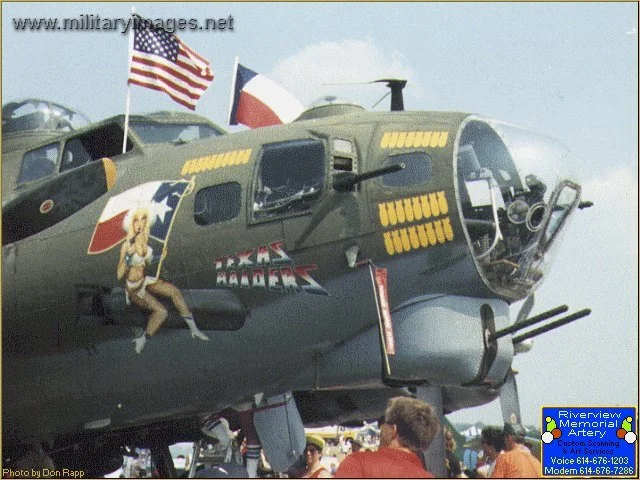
291 175
40 115
511 215
94 144
74 155
156 132
417 169
564 201
39 163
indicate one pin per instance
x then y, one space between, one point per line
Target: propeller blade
509 401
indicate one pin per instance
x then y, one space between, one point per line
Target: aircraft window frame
74 155
222 202
560 210
40 115
39 163
407 177
296 195
155 132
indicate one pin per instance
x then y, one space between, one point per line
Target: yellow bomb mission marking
414 139
418 236
415 209
219 160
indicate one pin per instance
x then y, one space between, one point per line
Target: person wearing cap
516 461
313 454
409 427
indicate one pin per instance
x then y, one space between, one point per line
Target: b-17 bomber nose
511 216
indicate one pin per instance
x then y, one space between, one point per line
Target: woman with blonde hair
135 255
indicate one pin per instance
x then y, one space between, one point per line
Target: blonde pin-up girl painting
142 290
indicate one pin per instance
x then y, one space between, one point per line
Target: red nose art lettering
266 268
312 286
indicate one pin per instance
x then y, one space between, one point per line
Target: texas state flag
259 102
161 199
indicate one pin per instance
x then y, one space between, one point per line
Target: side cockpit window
39 163
217 204
291 175
105 141
102 142
417 169
156 132
74 155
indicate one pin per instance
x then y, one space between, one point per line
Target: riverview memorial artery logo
589 441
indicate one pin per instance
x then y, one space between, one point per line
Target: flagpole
233 88
127 107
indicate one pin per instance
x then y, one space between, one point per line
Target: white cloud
617 190
307 73
615 207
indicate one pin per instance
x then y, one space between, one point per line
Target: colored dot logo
552 431
625 431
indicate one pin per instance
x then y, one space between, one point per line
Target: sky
568 70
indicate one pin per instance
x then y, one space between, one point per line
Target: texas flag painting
162 200
257 101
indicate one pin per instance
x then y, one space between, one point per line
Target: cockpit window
291 175
97 143
417 169
33 114
74 155
172 132
39 163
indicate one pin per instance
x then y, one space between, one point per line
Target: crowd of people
505 454
408 428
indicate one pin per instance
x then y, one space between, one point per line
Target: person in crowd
313 454
452 463
409 427
517 460
492 443
356 445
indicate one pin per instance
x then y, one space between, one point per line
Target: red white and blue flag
260 102
161 61
162 200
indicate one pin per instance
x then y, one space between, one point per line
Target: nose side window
217 203
417 169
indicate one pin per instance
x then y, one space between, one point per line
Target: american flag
162 62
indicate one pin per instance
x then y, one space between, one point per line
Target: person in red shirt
409 427
517 461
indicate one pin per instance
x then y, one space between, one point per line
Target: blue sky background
569 70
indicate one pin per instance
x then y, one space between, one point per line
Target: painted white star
161 209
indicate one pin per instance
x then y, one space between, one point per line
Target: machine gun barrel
345 180
552 325
530 321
